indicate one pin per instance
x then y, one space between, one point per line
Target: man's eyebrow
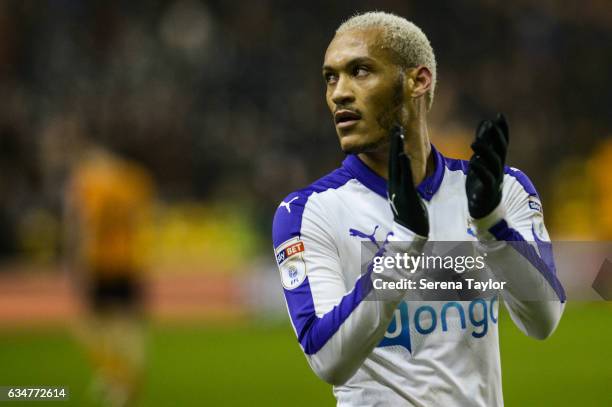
351 62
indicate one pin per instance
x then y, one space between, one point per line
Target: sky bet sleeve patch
289 256
534 204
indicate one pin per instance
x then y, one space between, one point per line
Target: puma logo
286 204
372 238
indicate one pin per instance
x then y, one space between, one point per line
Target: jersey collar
427 188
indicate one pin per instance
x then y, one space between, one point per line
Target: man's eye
330 78
360 71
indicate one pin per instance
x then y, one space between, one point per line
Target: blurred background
176 127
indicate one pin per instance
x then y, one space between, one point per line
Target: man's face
364 90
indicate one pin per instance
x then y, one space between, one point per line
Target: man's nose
342 93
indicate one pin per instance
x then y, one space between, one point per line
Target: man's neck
418 149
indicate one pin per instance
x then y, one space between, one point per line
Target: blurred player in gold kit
108 202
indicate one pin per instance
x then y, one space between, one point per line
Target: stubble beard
369 147
386 120
392 116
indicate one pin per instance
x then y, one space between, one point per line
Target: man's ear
418 81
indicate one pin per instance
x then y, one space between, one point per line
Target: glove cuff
482 225
402 241
402 234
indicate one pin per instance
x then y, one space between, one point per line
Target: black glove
408 209
485 176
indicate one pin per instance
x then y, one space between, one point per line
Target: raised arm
509 223
336 318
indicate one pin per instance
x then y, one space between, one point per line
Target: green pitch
261 364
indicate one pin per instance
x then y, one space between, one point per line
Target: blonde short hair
402 37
